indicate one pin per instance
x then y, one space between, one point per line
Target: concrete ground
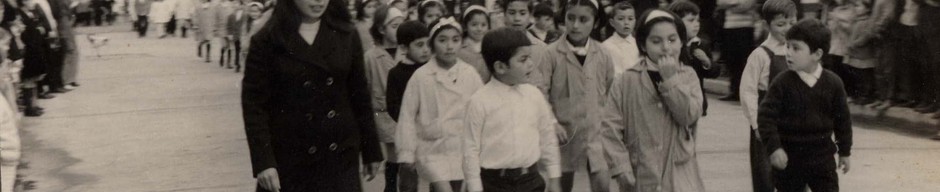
151 116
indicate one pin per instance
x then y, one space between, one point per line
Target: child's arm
862 35
405 134
754 74
475 116
768 116
681 93
542 78
550 160
614 121
393 95
843 121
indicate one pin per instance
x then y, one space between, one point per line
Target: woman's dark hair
378 22
644 28
427 4
599 15
360 9
287 17
9 15
469 15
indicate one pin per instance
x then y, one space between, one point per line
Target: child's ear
500 67
818 54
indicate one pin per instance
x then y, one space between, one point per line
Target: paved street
150 116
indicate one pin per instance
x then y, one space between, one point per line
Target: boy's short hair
621 6
409 31
501 44
812 32
542 10
684 8
772 8
505 4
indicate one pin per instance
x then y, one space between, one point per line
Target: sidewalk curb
907 115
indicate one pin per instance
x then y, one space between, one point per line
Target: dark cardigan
802 119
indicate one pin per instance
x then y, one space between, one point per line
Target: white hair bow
444 21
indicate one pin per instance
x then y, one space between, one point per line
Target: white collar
813 78
580 51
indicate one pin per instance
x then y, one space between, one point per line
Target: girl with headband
430 135
656 103
379 60
305 101
477 24
576 72
431 10
365 12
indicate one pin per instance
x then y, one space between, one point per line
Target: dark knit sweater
398 78
802 119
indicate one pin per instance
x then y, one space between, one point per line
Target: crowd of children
605 87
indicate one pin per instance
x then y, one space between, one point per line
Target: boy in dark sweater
412 39
804 107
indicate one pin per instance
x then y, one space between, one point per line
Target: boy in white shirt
509 125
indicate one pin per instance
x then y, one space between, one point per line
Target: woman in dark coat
306 102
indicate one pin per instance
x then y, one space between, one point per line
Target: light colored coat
473 57
185 9
9 145
576 93
162 11
658 127
429 132
378 62
206 19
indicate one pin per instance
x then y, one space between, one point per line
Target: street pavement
151 116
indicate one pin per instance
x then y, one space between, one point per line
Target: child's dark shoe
927 108
33 112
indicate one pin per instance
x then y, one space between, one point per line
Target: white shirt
756 77
509 127
623 52
811 78
430 124
579 51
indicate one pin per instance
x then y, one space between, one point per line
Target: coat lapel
315 54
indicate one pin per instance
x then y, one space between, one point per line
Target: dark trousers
53 79
454 185
859 82
903 56
398 179
142 24
171 26
530 182
736 44
761 178
797 176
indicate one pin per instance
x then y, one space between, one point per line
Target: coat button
312 150
308 84
331 114
333 146
309 117
329 81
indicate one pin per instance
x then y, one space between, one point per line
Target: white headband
428 1
474 8
656 14
445 21
593 2
392 14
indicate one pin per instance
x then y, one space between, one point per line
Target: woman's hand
779 159
268 180
372 169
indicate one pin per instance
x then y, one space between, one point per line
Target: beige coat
431 122
378 63
658 127
576 93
